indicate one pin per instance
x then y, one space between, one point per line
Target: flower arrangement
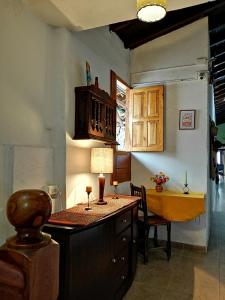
160 178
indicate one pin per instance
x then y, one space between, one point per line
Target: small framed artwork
187 119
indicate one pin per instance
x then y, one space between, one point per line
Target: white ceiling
86 14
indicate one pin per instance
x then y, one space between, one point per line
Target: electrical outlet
53 190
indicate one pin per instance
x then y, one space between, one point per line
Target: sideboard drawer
121 277
122 221
123 240
120 260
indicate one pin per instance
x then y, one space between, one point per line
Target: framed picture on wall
187 119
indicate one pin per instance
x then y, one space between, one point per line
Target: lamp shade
102 160
151 10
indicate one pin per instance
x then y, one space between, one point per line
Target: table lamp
101 162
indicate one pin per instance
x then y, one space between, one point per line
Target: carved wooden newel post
29 261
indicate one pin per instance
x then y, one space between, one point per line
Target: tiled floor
189 274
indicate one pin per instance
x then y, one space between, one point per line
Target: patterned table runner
78 216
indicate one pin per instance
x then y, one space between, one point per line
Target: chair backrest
140 192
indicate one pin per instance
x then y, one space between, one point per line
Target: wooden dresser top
77 216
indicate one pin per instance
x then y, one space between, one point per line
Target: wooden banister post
29 261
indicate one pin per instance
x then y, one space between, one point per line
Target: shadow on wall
138 167
147 164
171 118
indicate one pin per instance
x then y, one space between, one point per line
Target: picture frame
187 119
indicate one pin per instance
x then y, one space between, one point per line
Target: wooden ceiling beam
217 28
218 51
134 37
215 76
219 85
216 37
220 115
218 56
219 67
217 61
218 74
220 109
218 79
121 25
217 44
221 104
219 96
173 21
219 91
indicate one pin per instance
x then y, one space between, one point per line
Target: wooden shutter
146 119
121 166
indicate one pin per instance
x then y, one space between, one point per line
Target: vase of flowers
159 180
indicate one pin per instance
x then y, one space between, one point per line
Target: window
122 159
120 93
146 119
139 125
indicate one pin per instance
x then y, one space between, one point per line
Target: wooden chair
145 222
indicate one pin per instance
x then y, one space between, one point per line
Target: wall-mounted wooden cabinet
95 114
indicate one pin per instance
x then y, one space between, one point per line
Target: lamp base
88 208
101 202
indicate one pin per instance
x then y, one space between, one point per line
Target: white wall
31 126
174 61
104 51
177 49
40 66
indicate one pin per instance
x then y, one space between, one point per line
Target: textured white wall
29 108
179 48
104 51
40 66
184 150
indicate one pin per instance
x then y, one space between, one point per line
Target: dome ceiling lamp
151 10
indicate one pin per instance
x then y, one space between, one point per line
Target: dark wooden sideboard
98 260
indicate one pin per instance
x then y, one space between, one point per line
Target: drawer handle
124 239
113 260
123 277
122 258
124 221
134 242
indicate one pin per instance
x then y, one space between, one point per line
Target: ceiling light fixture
151 10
